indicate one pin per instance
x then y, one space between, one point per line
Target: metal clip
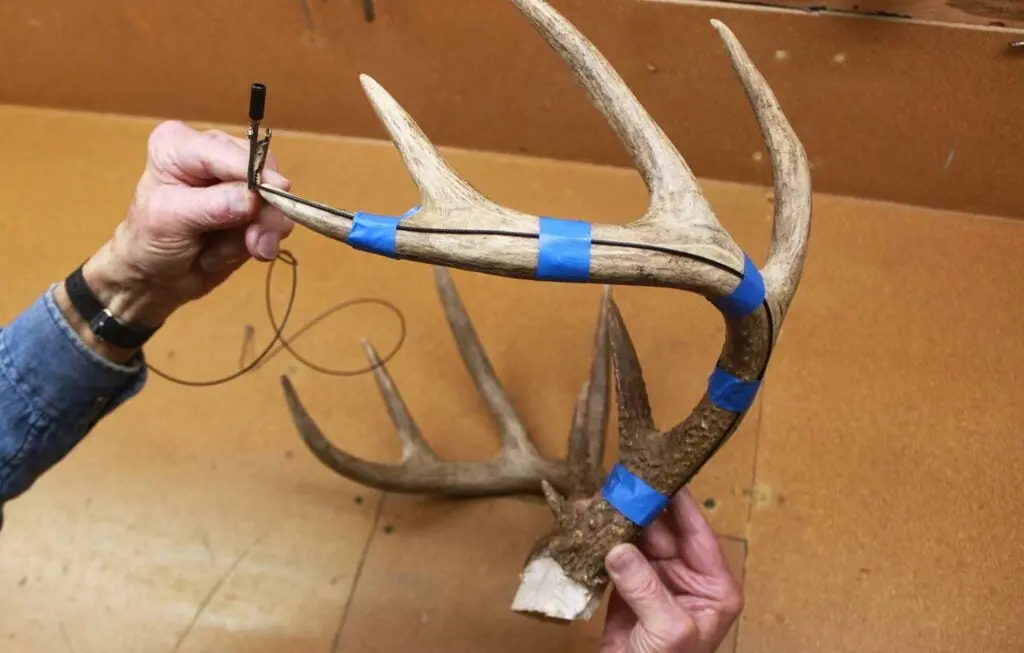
258 148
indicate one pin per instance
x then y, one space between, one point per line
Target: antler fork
678 242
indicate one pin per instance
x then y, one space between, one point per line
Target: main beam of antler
676 243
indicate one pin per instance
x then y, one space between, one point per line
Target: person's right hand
191 223
675 593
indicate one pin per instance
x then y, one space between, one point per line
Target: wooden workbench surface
871 500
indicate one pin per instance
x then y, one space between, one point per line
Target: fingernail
266 246
621 559
274 177
240 202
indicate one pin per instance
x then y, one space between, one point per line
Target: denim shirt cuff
53 369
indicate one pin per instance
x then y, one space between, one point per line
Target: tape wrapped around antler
630 494
564 253
376 233
726 390
747 296
634 498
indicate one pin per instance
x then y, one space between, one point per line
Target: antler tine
437 182
413 444
668 177
792 179
588 435
631 391
590 418
419 465
514 439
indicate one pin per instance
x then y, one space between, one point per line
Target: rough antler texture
677 243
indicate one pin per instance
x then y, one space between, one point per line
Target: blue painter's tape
730 393
376 233
747 296
631 496
564 250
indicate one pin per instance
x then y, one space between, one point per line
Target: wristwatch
105 325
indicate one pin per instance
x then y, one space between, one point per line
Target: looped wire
289 259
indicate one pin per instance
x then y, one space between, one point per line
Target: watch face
101 322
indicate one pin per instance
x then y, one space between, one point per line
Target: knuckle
733 602
646 587
676 632
286 229
224 137
151 210
163 148
165 132
229 203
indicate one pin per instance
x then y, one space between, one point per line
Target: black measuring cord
268 352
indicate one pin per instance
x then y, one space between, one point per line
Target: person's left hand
674 593
191 224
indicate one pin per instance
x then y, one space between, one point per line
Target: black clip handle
258 148
257 101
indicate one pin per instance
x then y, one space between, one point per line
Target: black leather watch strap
104 324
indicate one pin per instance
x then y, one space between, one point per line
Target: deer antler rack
677 243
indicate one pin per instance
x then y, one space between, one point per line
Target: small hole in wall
710 503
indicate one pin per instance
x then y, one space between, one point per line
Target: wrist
125 291
84 331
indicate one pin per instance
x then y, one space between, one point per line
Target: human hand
191 224
673 593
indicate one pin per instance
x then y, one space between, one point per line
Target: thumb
211 208
663 625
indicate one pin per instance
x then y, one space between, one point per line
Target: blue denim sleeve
53 390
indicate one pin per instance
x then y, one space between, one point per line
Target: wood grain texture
891 110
